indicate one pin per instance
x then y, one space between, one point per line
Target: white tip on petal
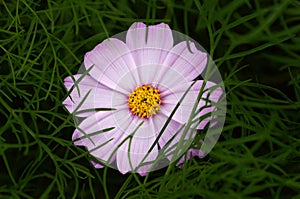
155 36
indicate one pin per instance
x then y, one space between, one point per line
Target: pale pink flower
139 82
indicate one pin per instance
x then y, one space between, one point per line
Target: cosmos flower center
144 101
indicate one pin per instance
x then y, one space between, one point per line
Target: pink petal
102 144
110 61
149 47
164 78
90 94
159 121
171 136
190 63
158 36
97 165
76 138
180 66
140 144
185 109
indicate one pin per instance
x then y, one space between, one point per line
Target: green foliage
256 46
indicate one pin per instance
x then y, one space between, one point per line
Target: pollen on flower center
144 101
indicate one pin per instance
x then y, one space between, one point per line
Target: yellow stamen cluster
144 101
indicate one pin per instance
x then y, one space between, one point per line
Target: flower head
136 98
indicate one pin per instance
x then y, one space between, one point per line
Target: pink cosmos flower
129 91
